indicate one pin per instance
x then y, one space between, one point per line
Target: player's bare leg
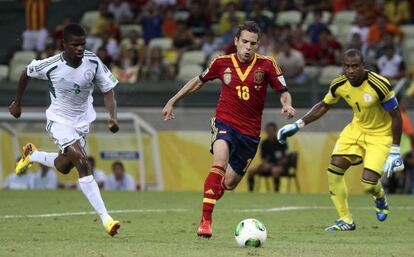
213 186
76 153
372 184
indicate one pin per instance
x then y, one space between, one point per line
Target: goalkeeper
373 136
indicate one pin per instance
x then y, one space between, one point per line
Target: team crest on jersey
367 97
227 76
258 76
88 75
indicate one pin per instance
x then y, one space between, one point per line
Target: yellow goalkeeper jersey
366 101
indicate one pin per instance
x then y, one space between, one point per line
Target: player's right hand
15 109
287 131
168 112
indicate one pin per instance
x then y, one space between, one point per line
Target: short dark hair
73 29
118 163
352 52
250 26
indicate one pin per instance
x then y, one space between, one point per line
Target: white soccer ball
250 232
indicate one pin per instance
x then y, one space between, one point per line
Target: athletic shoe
24 163
341 225
112 227
381 208
205 230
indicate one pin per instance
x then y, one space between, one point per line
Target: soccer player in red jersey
236 126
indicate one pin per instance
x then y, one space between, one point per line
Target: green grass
172 232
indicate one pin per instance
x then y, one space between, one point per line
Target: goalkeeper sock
374 188
339 192
91 190
213 190
47 159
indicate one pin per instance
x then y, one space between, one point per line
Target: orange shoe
24 163
204 229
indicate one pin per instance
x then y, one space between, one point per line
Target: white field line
277 209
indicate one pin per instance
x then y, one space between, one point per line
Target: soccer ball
250 232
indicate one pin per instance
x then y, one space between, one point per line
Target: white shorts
64 135
34 40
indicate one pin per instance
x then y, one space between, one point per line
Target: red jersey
243 89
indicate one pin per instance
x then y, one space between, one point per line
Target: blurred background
154 47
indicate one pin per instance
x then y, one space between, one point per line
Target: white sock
91 190
44 158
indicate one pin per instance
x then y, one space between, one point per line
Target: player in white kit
71 76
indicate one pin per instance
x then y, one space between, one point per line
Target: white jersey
71 88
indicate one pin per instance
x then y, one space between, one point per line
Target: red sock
213 190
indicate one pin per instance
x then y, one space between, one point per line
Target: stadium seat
288 17
214 55
312 72
163 43
408 31
344 17
188 72
126 29
193 57
89 18
4 72
23 57
328 73
408 46
16 71
181 15
268 14
326 16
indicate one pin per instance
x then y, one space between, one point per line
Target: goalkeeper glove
394 161
289 130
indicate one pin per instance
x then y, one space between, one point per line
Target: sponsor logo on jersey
31 69
227 76
282 80
259 76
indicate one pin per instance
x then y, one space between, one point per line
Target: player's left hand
113 125
15 109
394 162
288 110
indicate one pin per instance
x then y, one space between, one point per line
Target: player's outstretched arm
191 86
111 107
317 111
15 107
286 101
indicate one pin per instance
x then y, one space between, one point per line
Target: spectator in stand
98 174
391 65
119 180
169 23
299 43
121 11
126 67
361 28
380 28
369 9
257 16
156 68
316 27
266 45
327 51
45 178
397 11
104 56
151 22
35 34
210 44
183 39
109 43
292 63
229 18
199 20
356 42
22 181
134 41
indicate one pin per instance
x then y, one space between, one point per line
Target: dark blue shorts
242 147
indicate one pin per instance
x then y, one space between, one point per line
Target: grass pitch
58 223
